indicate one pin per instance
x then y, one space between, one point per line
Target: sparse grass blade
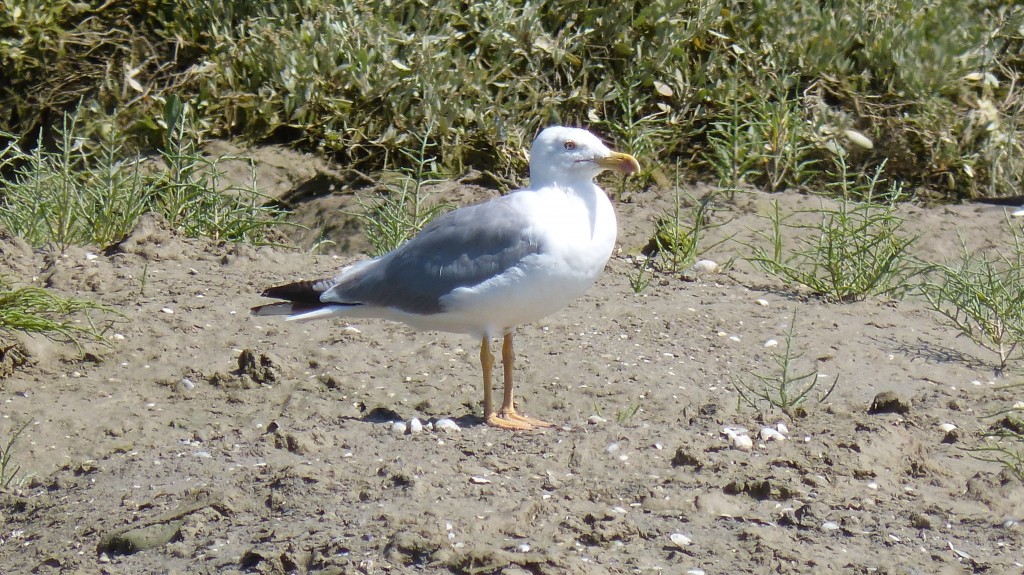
982 297
36 310
784 389
856 249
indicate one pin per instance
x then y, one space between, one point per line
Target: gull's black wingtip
307 292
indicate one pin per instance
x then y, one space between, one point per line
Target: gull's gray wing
458 249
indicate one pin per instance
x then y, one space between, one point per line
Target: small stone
167 310
830 526
477 480
596 419
782 428
889 402
399 428
771 343
921 521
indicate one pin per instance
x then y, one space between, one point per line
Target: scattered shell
770 434
782 428
680 540
771 343
595 419
415 426
946 427
203 454
695 572
611 448
167 310
761 302
118 336
90 256
399 427
476 479
705 267
830 526
743 442
523 548
732 430
872 485
446 425
350 329
187 383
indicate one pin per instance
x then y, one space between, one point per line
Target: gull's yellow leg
508 408
490 417
487 364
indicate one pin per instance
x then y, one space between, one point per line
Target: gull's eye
569 145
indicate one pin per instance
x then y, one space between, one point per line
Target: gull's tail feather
302 301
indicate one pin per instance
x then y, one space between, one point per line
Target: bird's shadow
387 415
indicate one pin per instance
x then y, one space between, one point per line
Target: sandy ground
160 454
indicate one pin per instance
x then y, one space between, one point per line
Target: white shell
769 434
743 442
479 480
782 428
705 267
398 428
732 430
446 425
680 540
761 302
415 426
771 343
947 427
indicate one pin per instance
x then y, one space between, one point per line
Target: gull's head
564 155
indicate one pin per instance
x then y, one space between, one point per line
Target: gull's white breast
576 231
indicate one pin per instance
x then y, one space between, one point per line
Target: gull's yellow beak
619 162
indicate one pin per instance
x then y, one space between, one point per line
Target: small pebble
771 343
187 383
872 485
523 548
595 419
415 426
203 454
446 425
89 256
118 336
476 479
830 526
680 540
782 428
946 427
399 427
350 329
695 572
762 302
167 310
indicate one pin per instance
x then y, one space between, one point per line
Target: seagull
487 268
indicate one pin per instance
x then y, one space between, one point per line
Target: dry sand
290 465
